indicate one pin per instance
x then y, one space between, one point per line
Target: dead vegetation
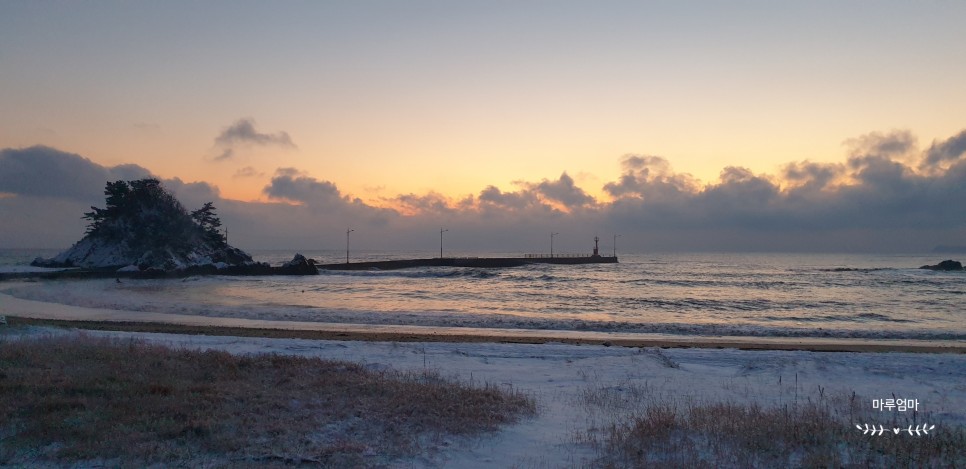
641 428
129 404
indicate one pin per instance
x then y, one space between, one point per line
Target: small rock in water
945 265
299 265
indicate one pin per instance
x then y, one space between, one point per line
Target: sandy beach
557 368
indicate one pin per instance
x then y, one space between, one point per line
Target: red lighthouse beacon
596 240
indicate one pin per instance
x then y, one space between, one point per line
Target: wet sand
28 312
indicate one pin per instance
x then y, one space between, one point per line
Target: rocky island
145 230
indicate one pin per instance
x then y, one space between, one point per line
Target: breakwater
479 262
305 267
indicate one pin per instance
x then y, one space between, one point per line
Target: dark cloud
52 189
950 150
889 145
493 198
243 132
876 170
431 203
565 192
808 176
127 172
192 194
541 197
651 178
291 185
741 198
874 201
47 172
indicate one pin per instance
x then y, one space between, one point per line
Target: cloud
951 150
875 200
227 154
289 184
809 176
565 192
192 194
431 203
741 198
889 145
651 177
883 195
561 195
243 132
247 172
48 172
47 191
493 198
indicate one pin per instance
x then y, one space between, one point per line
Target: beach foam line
20 311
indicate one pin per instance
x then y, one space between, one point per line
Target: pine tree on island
206 218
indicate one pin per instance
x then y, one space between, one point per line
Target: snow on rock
130 268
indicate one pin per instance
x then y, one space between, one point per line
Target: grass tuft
64 400
647 430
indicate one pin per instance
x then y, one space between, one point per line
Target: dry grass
646 430
129 404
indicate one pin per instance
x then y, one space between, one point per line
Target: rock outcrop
299 265
947 265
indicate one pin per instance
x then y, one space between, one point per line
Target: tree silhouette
145 215
208 220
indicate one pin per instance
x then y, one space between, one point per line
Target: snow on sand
557 374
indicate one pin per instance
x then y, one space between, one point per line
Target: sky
705 125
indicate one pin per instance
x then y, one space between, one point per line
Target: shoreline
30 312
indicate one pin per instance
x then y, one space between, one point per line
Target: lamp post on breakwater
552 234
441 231
347 231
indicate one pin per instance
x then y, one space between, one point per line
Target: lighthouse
596 240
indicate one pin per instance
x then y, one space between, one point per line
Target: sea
872 296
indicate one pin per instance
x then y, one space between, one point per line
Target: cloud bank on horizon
888 195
